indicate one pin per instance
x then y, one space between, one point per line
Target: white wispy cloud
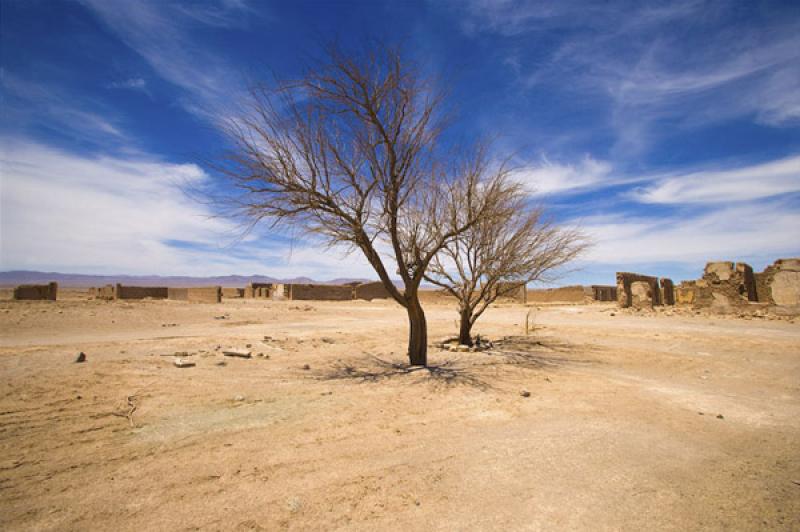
746 183
34 104
163 34
763 231
136 84
688 63
66 212
546 177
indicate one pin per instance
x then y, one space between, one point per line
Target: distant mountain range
76 280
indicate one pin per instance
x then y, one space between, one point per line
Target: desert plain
597 419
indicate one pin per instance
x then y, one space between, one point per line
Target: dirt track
633 422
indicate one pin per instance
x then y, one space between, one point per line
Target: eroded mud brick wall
320 292
565 294
34 292
667 291
141 292
724 284
103 292
370 291
624 281
779 284
604 292
642 294
517 292
233 293
205 294
258 290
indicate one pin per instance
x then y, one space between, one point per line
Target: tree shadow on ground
538 353
447 373
467 369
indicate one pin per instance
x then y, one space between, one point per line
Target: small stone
248 346
80 358
720 416
306 366
525 393
240 354
180 363
327 340
222 363
239 398
461 348
613 314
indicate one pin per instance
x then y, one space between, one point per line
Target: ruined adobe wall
625 296
36 292
205 294
724 284
604 292
779 283
370 291
320 292
258 290
517 292
436 296
107 292
141 292
667 291
565 294
233 293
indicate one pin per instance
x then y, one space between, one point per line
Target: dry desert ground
634 421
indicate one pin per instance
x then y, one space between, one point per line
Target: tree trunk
465 329
418 334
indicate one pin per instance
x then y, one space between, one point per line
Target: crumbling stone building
36 292
723 285
779 283
604 292
645 293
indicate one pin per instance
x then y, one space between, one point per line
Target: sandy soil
633 422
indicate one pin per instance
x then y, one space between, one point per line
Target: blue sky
669 132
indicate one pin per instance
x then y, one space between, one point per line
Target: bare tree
500 254
350 153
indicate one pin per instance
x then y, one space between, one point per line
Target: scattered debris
131 409
80 358
240 354
525 393
180 363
